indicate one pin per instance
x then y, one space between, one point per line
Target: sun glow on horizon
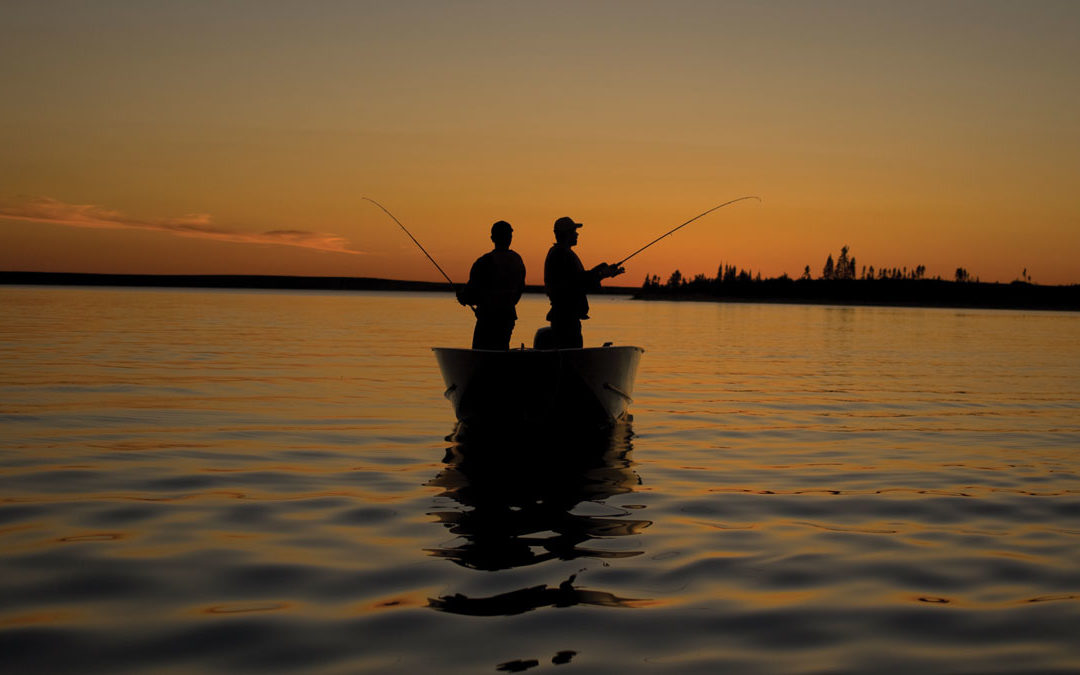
174 139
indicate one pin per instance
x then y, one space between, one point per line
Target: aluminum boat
562 387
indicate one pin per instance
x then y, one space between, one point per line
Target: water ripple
254 482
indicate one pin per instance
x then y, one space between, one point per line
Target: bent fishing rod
387 211
674 230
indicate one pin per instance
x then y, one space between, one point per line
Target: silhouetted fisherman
496 282
567 283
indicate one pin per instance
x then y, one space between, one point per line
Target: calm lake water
231 481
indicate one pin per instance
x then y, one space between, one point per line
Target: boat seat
544 338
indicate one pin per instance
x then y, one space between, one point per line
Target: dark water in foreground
207 481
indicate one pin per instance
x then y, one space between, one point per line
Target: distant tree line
842 281
843 268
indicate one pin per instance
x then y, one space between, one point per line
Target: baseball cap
566 224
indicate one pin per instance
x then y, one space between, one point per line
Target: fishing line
387 211
669 232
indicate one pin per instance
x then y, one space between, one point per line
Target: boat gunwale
538 351
458 366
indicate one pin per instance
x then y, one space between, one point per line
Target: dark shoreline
887 292
245 281
877 293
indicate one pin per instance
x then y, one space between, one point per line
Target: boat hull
564 387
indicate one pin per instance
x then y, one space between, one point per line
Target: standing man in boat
566 282
496 282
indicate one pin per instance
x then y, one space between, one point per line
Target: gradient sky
240 137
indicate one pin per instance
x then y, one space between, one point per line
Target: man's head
501 234
566 230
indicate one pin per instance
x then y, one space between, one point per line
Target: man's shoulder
482 260
518 261
561 251
504 255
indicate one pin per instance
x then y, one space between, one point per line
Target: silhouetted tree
675 280
806 274
827 271
841 269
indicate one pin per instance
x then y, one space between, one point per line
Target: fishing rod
669 232
387 211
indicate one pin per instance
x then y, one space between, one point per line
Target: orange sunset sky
240 137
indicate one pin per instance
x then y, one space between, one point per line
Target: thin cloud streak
197 225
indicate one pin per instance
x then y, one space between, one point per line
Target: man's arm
469 294
606 271
520 279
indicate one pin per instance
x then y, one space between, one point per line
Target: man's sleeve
470 293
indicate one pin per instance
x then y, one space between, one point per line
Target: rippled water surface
225 481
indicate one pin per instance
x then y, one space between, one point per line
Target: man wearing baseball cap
496 282
567 282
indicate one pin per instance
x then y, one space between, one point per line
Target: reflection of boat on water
521 499
520 495
534 597
564 386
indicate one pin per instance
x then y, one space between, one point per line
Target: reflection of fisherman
496 282
566 282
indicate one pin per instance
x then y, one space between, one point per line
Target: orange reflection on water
246 608
103 536
38 618
397 601
1004 602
